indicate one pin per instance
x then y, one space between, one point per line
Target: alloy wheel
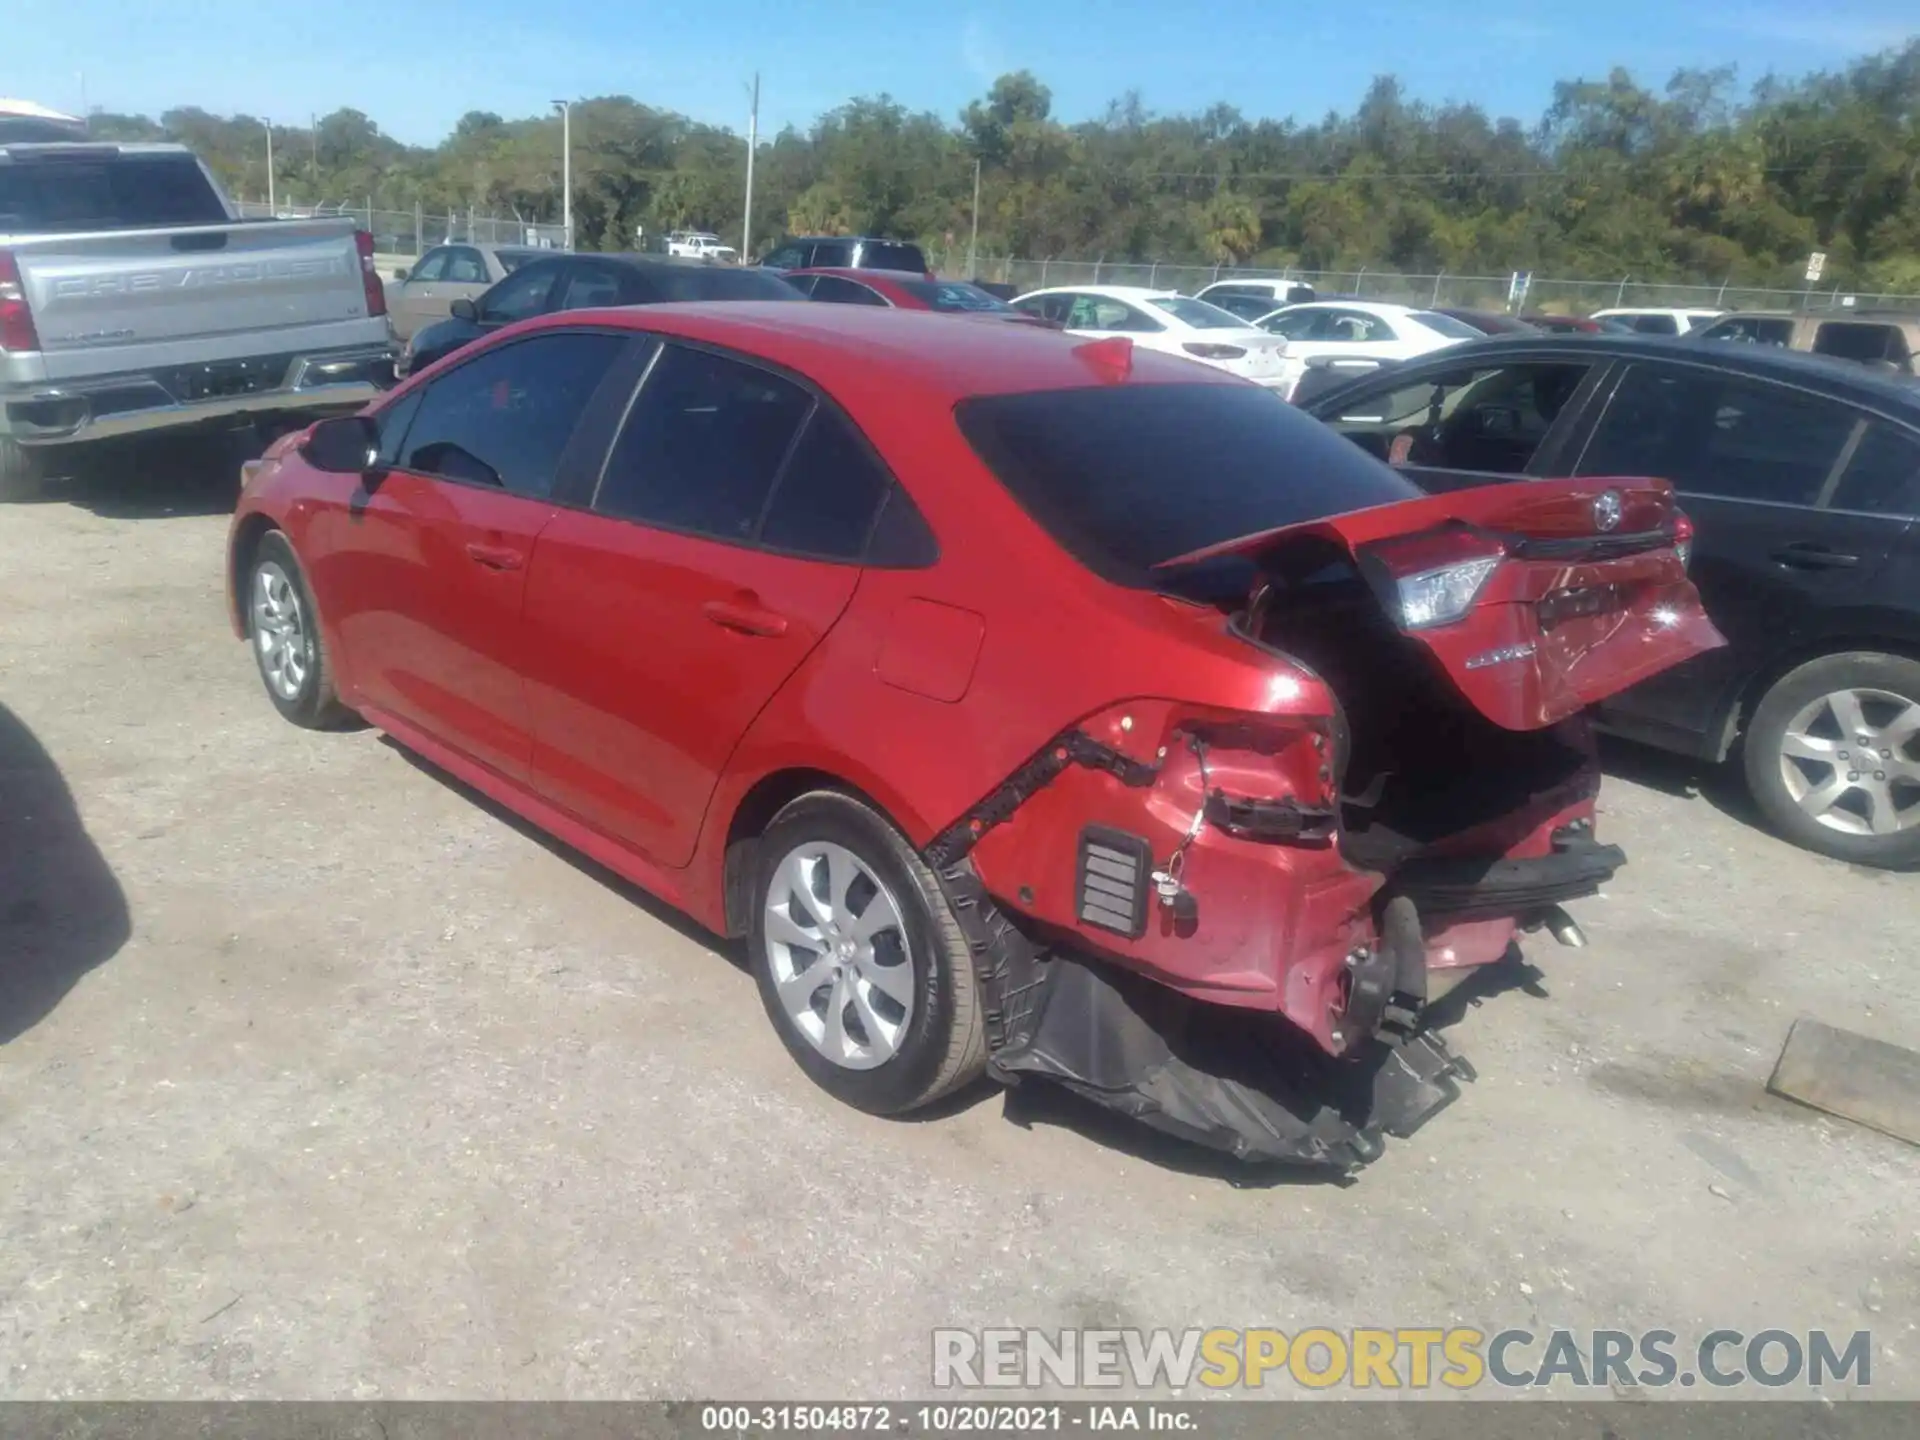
281 639
839 955
1847 761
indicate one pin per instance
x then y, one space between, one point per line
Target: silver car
425 293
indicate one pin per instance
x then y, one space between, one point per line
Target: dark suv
846 252
1802 478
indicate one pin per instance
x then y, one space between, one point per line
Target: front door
719 550
426 567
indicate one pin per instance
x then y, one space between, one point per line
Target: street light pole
753 144
272 209
565 108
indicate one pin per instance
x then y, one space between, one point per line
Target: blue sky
415 68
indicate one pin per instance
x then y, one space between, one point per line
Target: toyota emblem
1607 509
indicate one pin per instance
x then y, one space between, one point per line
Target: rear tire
887 1023
22 471
283 630
1832 758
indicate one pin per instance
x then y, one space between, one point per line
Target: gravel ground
321 1078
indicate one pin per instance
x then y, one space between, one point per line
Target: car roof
856 239
1841 378
1111 292
1658 310
1387 309
919 349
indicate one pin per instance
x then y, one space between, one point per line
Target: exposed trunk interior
1419 763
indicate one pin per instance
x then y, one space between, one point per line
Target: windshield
1446 325
1112 473
106 192
1197 313
955 295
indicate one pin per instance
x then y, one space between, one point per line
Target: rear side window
702 445
889 255
1753 330
836 291
1247 307
1710 434
78 191
955 296
1856 341
831 252
504 418
1883 477
1197 313
1114 475
1446 325
1654 324
828 495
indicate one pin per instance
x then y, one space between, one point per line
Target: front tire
284 627
860 962
1833 758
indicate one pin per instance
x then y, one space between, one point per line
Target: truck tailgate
120 290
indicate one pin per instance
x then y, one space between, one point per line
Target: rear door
1768 474
722 541
419 299
424 569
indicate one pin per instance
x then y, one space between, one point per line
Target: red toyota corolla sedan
1033 706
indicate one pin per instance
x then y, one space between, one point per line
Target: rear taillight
16 320
1682 538
1214 352
369 276
1433 579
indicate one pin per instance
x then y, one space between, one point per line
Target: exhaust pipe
1561 926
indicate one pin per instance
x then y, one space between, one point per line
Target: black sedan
585 282
1802 478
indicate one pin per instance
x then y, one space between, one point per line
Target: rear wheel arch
1736 714
762 804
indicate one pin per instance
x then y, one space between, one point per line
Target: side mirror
465 309
344 445
401 273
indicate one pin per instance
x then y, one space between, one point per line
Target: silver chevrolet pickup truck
134 299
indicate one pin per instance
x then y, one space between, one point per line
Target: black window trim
820 399
1864 411
573 454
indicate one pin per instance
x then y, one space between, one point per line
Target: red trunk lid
1538 598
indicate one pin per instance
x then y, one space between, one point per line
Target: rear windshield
952 295
55 193
889 255
1857 341
701 282
1114 475
1198 313
1446 325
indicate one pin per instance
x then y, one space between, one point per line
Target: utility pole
272 209
565 108
973 240
313 130
86 113
753 143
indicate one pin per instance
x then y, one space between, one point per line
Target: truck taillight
369 276
16 320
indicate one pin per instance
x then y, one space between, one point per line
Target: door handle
745 616
496 557
1804 555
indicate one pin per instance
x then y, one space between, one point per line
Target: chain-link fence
1478 292
414 232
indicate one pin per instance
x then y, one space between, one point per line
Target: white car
1251 299
698 245
1167 321
1660 321
1360 331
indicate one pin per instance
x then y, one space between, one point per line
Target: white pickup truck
133 298
699 245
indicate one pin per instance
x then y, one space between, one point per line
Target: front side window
892 255
466 266
787 257
1713 434
590 285
1300 325
432 267
504 418
829 253
1102 312
702 445
1752 330
1489 418
520 296
1354 327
